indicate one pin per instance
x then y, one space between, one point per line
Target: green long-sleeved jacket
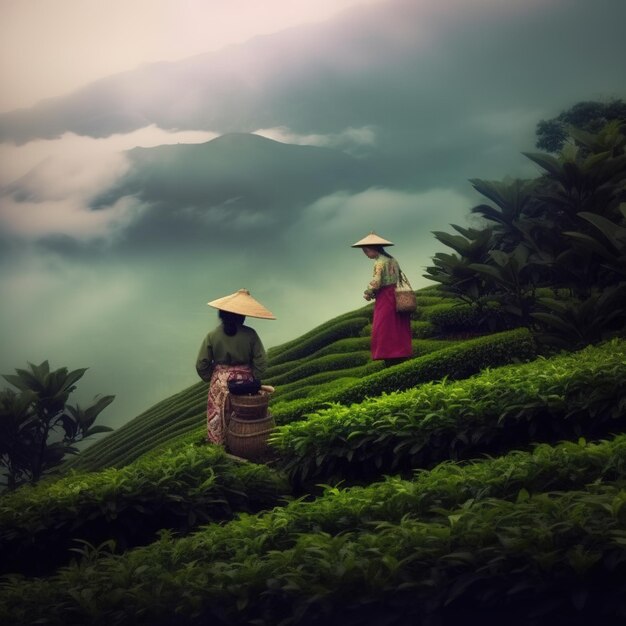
243 348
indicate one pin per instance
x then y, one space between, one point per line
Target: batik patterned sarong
218 401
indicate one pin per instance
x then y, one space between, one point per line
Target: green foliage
422 329
16 434
452 362
343 346
313 374
453 271
350 552
564 230
590 116
323 382
329 362
513 199
570 324
347 325
523 538
32 420
460 317
178 413
569 395
176 489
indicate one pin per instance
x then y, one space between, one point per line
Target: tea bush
330 362
324 382
176 490
341 346
447 537
457 361
568 395
338 328
176 408
454 317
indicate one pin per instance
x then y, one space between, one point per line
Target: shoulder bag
406 301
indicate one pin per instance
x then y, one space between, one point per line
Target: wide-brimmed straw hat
372 240
243 303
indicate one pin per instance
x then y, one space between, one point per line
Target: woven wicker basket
247 438
250 407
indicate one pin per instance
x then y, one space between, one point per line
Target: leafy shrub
175 490
309 343
151 421
565 396
457 361
322 382
317 384
424 300
129 453
446 537
426 346
455 317
38 427
352 344
280 368
421 329
363 312
330 362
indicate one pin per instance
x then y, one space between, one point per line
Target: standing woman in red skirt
391 331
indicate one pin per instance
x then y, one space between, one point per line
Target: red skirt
391 331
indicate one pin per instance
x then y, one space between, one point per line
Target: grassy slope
328 362
311 363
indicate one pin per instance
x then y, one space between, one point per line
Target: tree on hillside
553 249
37 426
589 116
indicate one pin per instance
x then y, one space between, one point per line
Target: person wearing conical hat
230 352
391 331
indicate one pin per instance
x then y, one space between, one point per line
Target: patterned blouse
386 272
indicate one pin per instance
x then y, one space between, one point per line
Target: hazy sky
50 47
126 205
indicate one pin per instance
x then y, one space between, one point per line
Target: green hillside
330 363
153 526
482 481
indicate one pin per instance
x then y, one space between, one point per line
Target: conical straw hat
243 303
372 240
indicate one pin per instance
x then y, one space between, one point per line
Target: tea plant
308 345
329 362
173 490
144 425
453 362
468 529
562 397
363 312
183 412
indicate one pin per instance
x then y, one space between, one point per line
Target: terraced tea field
478 481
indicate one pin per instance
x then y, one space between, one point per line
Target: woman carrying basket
391 331
230 352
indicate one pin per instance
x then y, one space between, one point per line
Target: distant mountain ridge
241 87
238 170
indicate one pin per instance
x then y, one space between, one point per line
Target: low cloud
137 320
354 141
17 161
68 218
406 218
47 186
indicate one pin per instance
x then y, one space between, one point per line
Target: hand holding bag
406 301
